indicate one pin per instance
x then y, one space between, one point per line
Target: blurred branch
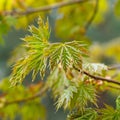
114 87
44 8
42 91
114 67
93 15
98 77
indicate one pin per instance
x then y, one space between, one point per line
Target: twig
93 15
114 67
98 77
115 75
114 87
101 78
43 90
44 8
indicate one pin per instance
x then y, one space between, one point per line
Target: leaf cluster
70 92
39 50
89 114
71 89
106 113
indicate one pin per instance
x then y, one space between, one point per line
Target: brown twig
43 90
93 15
44 8
114 87
98 77
101 78
114 67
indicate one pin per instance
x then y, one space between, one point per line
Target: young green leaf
35 58
57 81
86 92
66 98
95 68
68 54
88 114
109 113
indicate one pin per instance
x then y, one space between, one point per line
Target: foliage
20 92
89 114
66 28
35 58
95 68
38 50
71 71
109 113
70 92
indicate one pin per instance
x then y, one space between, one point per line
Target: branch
93 15
43 90
114 67
114 87
98 77
101 78
44 8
